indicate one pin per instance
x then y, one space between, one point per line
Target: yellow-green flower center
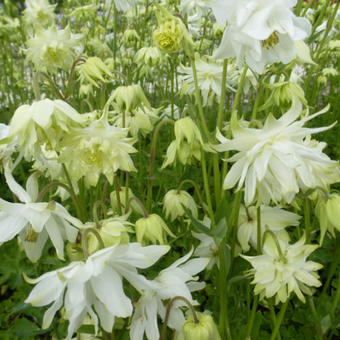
272 41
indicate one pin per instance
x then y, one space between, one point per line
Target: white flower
97 149
173 201
95 287
275 162
39 12
43 122
122 5
51 49
35 222
273 218
259 32
279 275
209 76
176 280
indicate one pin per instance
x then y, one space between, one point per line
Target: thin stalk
168 310
273 316
207 189
259 231
279 320
223 91
73 194
316 318
152 159
70 78
117 190
252 317
336 299
307 219
198 100
84 240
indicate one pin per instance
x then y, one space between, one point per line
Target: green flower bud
205 329
133 205
173 201
152 229
129 98
74 252
171 34
94 71
130 37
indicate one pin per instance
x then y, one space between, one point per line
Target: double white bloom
95 287
35 221
275 162
259 32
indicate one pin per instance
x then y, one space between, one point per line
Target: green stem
36 85
279 320
198 99
223 92
168 310
336 299
277 243
84 240
70 78
117 190
152 159
96 205
273 316
73 194
316 318
257 100
259 231
307 218
207 189
252 317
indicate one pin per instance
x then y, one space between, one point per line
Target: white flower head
39 12
279 275
275 162
176 280
95 287
51 49
97 149
275 219
259 32
34 221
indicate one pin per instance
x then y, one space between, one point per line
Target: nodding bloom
259 32
275 162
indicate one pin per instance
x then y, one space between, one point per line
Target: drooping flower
97 149
95 287
259 32
51 49
275 162
39 12
275 219
35 222
177 280
173 201
279 274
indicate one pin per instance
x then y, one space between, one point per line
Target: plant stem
259 231
223 97
84 240
252 317
279 320
117 190
316 318
307 218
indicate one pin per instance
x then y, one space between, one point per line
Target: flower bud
129 98
153 229
130 37
205 329
328 212
94 70
133 205
173 201
171 33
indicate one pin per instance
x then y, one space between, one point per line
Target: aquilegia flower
275 219
95 287
279 275
275 162
177 280
259 32
35 221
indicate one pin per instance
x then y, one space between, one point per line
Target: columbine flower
94 70
209 75
327 210
51 48
97 149
44 122
187 145
171 34
35 222
176 280
260 32
279 275
95 287
275 162
147 57
122 5
173 201
132 204
152 228
273 218
39 12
